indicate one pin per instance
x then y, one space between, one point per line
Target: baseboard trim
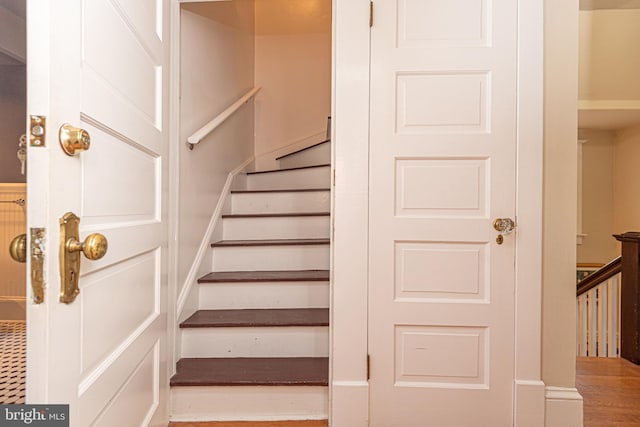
349 403
529 403
563 407
206 239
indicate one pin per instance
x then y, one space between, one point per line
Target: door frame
349 386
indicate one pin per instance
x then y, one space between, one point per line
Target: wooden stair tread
258 318
304 149
266 276
277 215
291 190
253 371
289 169
270 242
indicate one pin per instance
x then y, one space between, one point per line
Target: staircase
257 348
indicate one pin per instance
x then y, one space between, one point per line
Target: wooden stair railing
602 275
598 312
628 265
630 297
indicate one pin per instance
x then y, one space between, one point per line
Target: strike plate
38 236
37 131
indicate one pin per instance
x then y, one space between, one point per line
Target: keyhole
499 239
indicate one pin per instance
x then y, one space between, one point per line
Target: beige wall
609 63
217 51
293 66
13 111
626 181
597 197
559 200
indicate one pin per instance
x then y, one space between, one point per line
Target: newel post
630 296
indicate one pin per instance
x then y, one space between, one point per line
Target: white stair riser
293 202
271 258
318 155
299 178
281 341
217 296
249 403
301 227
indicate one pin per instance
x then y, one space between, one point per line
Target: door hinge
370 14
368 367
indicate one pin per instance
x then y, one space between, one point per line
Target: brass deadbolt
73 139
18 248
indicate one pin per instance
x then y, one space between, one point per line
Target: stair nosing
277 215
191 379
276 190
270 242
273 318
271 276
289 169
304 149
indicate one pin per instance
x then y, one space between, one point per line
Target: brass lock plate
69 261
94 247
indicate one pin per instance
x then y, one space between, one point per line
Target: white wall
626 177
217 57
597 197
609 63
293 65
13 110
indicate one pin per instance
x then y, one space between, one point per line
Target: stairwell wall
293 66
217 67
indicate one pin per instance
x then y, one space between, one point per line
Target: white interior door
100 65
442 169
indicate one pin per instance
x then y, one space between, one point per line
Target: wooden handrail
220 118
594 279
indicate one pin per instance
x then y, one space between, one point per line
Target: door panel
442 162
104 353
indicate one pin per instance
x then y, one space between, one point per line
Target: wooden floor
254 424
611 391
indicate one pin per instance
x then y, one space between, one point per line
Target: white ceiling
17 7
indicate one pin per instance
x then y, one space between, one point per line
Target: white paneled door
442 170
99 65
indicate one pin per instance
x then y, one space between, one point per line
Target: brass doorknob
504 225
73 139
18 248
94 246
